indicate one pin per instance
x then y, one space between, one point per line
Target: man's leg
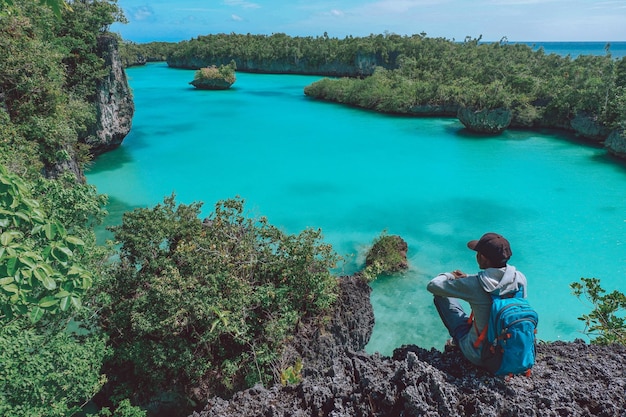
453 316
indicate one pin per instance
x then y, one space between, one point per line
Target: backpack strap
481 335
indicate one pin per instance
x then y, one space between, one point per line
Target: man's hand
459 274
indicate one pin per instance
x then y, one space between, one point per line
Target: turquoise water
354 173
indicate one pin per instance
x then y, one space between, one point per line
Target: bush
203 308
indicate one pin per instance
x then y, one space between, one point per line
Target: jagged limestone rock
616 143
114 101
589 127
490 121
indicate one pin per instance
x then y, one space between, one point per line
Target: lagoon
355 173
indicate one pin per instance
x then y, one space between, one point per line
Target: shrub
46 373
606 323
203 307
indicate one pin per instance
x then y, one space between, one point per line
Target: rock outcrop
569 379
363 65
114 102
616 143
589 127
490 121
211 84
341 380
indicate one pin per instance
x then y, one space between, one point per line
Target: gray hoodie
474 289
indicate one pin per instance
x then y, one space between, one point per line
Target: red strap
481 335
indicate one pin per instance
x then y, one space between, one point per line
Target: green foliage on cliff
201 308
539 88
132 53
48 73
397 74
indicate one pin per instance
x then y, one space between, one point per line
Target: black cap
494 247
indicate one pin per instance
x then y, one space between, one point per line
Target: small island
215 78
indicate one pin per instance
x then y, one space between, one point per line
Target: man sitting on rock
492 254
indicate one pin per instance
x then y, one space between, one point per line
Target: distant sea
574 49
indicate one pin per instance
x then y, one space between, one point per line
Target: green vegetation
211 301
187 308
606 324
215 78
420 75
387 256
49 68
540 89
224 72
132 53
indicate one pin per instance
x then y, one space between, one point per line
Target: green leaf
49 283
74 241
76 302
7 280
43 275
65 303
36 314
48 301
62 294
87 282
11 288
61 253
11 265
50 230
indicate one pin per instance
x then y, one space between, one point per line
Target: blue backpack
509 347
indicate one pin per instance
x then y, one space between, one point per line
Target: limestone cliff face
363 65
485 121
616 143
589 127
114 104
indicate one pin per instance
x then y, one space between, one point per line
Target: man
492 254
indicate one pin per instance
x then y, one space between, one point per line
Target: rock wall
363 65
114 102
616 143
485 121
340 380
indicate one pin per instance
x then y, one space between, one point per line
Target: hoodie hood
501 281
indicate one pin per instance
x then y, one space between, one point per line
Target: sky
517 20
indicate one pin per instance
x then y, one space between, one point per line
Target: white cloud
334 12
142 13
242 3
236 18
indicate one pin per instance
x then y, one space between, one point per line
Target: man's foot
450 345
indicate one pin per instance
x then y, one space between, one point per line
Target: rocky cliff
114 102
363 65
341 380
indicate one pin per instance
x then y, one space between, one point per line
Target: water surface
354 174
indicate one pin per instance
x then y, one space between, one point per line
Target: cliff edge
341 380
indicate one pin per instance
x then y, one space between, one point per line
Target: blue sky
518 20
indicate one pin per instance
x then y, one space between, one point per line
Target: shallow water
354 173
